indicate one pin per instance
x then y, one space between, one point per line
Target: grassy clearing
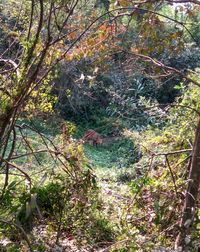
119 154
109 163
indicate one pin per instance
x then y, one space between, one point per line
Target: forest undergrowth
113 197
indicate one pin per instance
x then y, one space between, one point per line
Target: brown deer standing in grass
92 137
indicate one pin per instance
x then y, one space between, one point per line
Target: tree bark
190 204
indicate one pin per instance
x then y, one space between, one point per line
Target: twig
21 230
163 66
11 62
172 152
172 175
29 146
31 153
18 168
7 166
56 152
31 19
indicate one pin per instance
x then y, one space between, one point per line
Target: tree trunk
189 209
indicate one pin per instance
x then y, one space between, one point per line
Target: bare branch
39 28
21 230
172 175
28 145
163 66
172 152
31 19
7 166
183 1
18 168
12 63
31 153
49 23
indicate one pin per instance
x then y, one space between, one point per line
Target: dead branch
19 169
172 175
31 19
163 66
28 145
21 230
12 63
172 152
7 166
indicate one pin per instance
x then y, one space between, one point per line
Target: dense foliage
127 72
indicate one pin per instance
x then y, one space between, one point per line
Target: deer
92 137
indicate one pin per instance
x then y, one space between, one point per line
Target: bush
72 206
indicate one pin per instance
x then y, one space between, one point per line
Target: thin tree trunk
189 209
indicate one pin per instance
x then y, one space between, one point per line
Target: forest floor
113 199
112 166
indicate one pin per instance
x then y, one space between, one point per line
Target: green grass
119 154
112 158
99 157
108 160
112 164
